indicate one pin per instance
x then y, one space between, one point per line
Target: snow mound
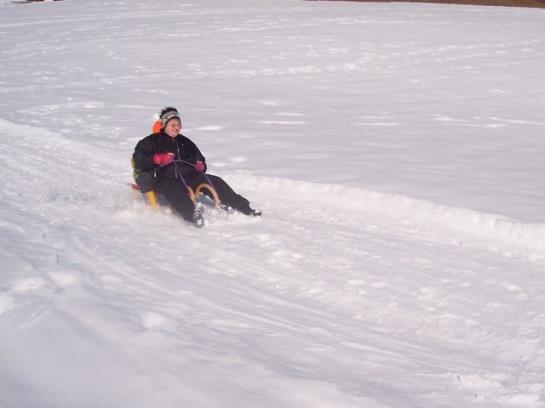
497 228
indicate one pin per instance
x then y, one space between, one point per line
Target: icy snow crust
395 149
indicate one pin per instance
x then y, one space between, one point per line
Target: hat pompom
157 125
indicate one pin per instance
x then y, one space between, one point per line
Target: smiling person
168 162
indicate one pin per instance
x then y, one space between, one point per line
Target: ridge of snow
494 227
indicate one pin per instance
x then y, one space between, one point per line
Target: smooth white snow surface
396 150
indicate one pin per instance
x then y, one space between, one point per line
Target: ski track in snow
421 293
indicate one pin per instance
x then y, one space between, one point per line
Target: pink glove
199 165
162 159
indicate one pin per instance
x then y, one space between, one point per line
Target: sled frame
194 195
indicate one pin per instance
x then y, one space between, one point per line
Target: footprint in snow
293 114
269 103
6 303
64 279
238 159
519 293
357 282
229 324
28 284
155 321
111 281
480 381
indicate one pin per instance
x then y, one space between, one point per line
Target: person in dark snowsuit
166 162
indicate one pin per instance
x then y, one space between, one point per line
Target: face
173 127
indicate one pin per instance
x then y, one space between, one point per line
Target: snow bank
494 227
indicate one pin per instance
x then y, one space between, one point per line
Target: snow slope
395 149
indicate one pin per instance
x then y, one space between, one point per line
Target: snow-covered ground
396 150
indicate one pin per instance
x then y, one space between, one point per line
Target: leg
176 195
226 194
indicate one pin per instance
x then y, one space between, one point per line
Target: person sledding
170 164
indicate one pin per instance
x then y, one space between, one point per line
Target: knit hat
168 114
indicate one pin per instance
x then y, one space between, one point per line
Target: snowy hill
396 151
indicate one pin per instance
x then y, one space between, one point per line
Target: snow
396 151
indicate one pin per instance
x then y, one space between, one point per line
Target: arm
194 155
143 154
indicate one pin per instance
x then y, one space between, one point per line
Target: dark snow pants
176 194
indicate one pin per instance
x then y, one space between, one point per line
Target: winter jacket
186 154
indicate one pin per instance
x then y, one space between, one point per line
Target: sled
203 190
